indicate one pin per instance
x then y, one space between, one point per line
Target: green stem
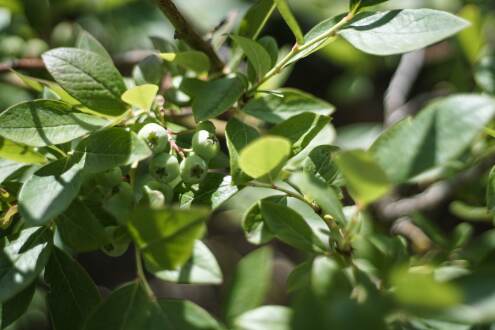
285 191
141 274
299 48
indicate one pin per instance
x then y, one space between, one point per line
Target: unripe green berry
34 48
110 178
205 144
207 126
164 168
193 169
156 136
12 46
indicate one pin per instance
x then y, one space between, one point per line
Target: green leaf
439 134
80 230
238 136
121 147
253 223
87 42
400 31
141 97
250 283
50 191
20 153
201 268
45 122
192 59
320 163
256 18
88 77
185 315
284 9
490 191
167 237
300 129
365 179
285 103
485 74
9 168
256 54
265 318
127 308
15 307
22 260
217 96
290 227
72 294
264 156
213 191
364 3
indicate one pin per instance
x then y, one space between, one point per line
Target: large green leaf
256 18
300 129
285 103
265 318
9 168
217 96
238 135
401 31
250 283
286 13
366 180
265 156
257 55
438 135
80 229
50 191
127 308
72 295
167 237
290 227
112 147
88 42
20 153
201 268
185 315
89 77
213 191
15 307
22 260
45 122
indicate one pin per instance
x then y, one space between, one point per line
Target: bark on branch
186 32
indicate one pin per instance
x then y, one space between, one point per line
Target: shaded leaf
185 315
256 18
256 54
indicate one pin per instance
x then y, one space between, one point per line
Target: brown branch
405 227
186 32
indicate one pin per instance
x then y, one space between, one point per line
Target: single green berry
12 46
156 136
207 126
193 169
164 167
110 178
205 144
34 48
164 188
119 241
64 35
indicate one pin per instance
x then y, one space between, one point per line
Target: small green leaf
285 103
300 129
256 54
45 122
290 227
238 135
253 223
72 294
120 147
50 191
217 96
213 191
141 97
490 191
321 164
22 260
87 42
20 153
80 229
167 237
256 18
285 11
366 180
15 307
201 268
192 59
265 156
485 74
400 31
250 283
185 315
88 77
127 308
265 317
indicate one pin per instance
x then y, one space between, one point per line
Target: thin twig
142 275
406 227
186 32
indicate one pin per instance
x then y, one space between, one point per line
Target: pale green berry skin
207 126
110 178
205 144
164 168
156 136
193 169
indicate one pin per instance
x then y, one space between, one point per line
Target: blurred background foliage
351 80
